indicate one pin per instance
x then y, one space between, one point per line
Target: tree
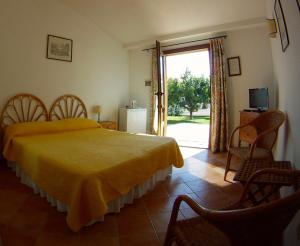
190 99
174 95
189 92
203 91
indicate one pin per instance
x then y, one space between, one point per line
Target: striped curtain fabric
219 118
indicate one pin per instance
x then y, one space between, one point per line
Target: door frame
176 51
186 49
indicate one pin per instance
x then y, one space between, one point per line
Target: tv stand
248 134
258 110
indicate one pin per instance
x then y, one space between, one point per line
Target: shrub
175 110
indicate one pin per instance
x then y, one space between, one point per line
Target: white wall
253 48
98 73
287 81
287 84
140 70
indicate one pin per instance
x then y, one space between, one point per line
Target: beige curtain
218 121
153 110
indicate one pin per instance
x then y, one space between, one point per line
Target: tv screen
259 98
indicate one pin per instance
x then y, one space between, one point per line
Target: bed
80 167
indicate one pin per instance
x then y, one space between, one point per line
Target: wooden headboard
23 107
67 106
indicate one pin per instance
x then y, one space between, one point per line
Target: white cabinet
133 120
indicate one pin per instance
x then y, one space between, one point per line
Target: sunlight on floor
189 152
190 134
210 169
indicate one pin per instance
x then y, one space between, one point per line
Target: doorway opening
188 97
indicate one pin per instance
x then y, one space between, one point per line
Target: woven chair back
270 120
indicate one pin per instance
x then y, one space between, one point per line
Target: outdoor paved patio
189 134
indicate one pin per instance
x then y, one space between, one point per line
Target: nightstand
132 120
109 125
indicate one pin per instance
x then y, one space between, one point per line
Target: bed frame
67 106
23 107
26 107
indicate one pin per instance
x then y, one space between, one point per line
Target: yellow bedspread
86 166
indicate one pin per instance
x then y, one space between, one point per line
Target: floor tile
136 208
194 197
108 228
137 239
198 185
50 239
30 223
14 237
213 198
159 205
172 179
56 224
188 213
159 191
138 224
11 202
161 237
161 221
178 189
98 240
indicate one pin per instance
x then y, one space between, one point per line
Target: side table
112 125
267 185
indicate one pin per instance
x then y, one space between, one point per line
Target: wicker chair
242 223
266 127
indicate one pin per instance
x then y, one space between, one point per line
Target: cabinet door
136 121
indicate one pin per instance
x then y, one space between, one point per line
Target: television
259 99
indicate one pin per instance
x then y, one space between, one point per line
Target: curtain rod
163 46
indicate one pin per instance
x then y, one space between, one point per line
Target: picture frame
234 66
59 48
284 37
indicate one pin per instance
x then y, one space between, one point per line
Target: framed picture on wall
281 25
234 66
59 48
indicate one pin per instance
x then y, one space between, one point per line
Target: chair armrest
212 216
192 204
233 132
208 214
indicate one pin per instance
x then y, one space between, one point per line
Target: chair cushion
197 231
258 153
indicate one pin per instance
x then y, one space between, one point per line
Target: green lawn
186 119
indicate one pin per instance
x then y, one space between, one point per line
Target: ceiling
133 21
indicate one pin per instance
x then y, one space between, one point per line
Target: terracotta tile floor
27 219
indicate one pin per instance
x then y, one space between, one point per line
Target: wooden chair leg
169 239
229 155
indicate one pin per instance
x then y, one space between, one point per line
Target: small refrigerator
133 120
